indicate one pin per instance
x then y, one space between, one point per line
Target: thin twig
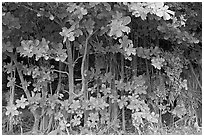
18 86
65 62
60 71
83 61
77 60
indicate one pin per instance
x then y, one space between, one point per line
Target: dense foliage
102 68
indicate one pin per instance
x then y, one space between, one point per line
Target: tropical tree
84 68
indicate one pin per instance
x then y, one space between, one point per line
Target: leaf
26 48
9 20
12 81
130 50
51 17
58 116
140 51
161 28
12 109
167 36
164 12
107 5
67 33
147 53
125 42
122 102
155 51
170 12
54 132
22 102
78 32
166 16
180 109
152 117
75 105
120 85
157 62
62 124
9 67
42 49
89 25
126 20
158 5
59 52
143 16
141 9
35 98
160 13
34 47
7 46
76 121
118 33
134 103
71 7
97 103
107 78
83 11
93 119
118 25
105 90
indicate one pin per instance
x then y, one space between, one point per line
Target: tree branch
14 59
83 61
60 71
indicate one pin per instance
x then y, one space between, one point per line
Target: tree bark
122 78
71 70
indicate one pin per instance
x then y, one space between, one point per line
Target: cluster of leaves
13 109
173 32
141 9
70 33
97 106
11 21
174 70
157 62
30 48
185 27
140 109
118 25
191 15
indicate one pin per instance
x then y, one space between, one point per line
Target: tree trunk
71 70
114 105
86 91
36 113
122 78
